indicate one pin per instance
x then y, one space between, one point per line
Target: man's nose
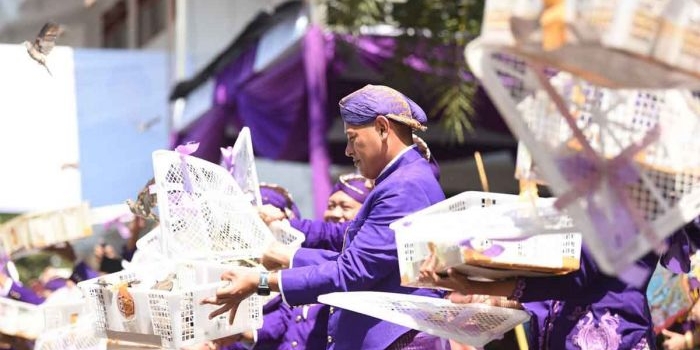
348 150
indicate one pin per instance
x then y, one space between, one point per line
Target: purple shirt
369 258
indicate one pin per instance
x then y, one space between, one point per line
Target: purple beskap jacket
368 260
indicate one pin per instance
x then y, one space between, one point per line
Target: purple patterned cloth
354 185
364 105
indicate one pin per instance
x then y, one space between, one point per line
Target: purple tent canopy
286 106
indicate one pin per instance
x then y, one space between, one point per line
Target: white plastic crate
487 220
149 245
240 162
29 321
615 43
79 336
171 319
472 324
41 229
621 218
286 234
203 212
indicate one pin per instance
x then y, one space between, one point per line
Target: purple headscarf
279 197
354 185
364 105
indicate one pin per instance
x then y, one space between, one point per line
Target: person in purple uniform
378 123
12 289
586 309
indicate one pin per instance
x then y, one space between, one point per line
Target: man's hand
269 213
242 284
674 341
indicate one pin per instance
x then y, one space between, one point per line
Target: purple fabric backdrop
286 106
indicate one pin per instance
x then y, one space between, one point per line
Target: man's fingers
232 314
222 310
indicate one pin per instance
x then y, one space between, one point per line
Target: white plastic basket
149 245
473 324
486 220
80 336
171 319
615 43
29 321
243 168
612 122
203 212
286 234
41 229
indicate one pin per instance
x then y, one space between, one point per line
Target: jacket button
298 318
331 310
330 339
294 344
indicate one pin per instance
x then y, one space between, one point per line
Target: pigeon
166 284
146 125
44 43
145 202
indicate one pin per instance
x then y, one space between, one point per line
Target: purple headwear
279 197
364 105
354 185
82 272
55 283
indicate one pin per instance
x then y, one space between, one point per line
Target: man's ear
381 124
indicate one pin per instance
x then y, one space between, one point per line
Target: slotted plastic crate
203 212
614 43
171 319
627 160
29 321
485 220
80 336
240 162
473 324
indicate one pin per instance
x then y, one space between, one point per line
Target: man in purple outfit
378 123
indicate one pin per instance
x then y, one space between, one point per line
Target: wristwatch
263 285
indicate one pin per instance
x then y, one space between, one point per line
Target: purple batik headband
354 185
280 198
363 106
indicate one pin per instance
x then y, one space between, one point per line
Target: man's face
341 208
365 147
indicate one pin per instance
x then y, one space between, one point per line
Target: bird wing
46 39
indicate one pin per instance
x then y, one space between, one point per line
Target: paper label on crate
544 250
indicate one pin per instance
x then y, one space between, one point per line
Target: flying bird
144 126
44 43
